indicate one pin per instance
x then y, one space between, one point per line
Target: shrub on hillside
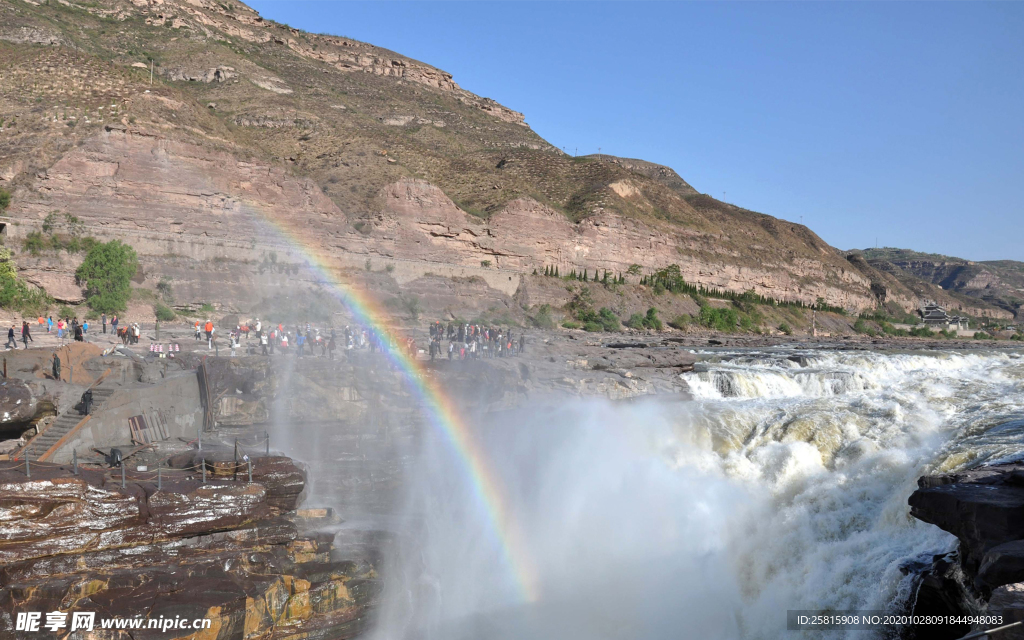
163 312
603 320
786 329
681 322
542 319
649 321
719 319
14 293
636 321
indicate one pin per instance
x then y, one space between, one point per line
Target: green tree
5 199
9 283
107 272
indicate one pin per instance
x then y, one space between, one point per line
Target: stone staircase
65 422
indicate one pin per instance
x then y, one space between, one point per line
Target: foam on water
709 519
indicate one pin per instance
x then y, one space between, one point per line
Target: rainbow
441 410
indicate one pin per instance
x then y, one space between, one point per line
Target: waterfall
784 485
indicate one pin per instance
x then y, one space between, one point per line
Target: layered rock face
527 235
171 199
225 551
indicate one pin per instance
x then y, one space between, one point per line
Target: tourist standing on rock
263 343
26 333
12 343
60 331
85 327
199 332
49 324
79 336
113 324
209 333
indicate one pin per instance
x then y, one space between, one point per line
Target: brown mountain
195 129
999 283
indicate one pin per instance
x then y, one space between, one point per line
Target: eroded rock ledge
984 509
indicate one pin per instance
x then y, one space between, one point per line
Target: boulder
1002 564
1008 601
17 404
983 508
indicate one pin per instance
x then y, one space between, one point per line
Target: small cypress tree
604 280
584 275
556 271
534 272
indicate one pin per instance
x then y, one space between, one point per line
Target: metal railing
989 632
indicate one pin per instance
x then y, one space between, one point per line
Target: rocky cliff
995 288
196 130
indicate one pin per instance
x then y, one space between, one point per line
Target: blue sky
897 121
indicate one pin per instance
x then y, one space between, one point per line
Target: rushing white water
784 485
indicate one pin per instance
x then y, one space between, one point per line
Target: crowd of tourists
67 329
256 337
71 329
266 339
474 341
457 341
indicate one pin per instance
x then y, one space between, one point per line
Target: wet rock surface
227 551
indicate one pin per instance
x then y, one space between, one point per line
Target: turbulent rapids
782 485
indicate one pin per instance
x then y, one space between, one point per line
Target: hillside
193 129
999 283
